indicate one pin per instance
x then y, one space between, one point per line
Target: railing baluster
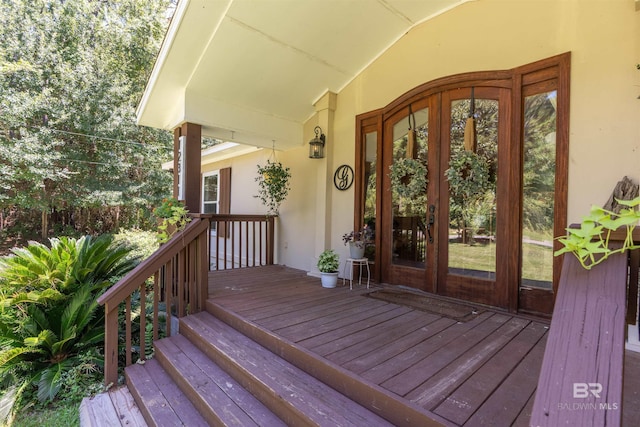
168 300
181 279
261 258
143 319
225 246
156 305
127 334
253 243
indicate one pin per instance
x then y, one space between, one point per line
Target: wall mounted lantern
316 145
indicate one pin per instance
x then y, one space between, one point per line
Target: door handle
431 221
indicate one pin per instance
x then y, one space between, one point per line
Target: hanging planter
273 185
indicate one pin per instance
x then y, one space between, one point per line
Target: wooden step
159 399
295 396
217 396
369 395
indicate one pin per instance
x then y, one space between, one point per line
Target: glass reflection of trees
409 227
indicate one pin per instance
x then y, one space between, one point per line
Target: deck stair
212 374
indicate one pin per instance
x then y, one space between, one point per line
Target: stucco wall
604 38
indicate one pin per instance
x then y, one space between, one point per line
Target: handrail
179 268
580 382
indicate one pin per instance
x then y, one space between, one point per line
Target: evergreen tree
71 74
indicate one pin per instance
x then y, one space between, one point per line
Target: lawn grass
537 261
59 414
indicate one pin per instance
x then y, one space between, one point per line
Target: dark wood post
191 162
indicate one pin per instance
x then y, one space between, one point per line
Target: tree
71 74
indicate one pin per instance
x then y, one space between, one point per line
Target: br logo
583 390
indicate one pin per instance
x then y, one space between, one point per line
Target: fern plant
49 315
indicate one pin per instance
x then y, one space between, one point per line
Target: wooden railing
239 241
173 279
582 370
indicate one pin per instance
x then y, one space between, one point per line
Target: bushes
49 315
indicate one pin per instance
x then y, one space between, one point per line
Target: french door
464 183
444 234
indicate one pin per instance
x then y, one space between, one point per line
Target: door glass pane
472 178
409 190
539 172
370 191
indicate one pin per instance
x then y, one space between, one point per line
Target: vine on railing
590 242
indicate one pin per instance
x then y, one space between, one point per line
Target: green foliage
590 243
141 243
328 261
273 185
172 217
50 321
538 180
71 74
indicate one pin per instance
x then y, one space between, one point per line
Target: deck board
483 371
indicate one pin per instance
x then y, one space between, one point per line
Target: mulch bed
452 310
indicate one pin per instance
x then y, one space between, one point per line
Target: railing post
270 239
203 270
110 344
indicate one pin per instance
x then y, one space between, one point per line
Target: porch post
325 107
192 134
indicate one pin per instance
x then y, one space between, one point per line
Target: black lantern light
316 145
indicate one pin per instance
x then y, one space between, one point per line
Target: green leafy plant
172 217
328 261
273 185
590 243
359 238
49 315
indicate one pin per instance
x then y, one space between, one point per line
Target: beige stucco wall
604 39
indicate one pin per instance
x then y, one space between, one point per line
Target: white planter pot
356 252
329 280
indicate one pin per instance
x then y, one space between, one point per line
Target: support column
190 160
325 108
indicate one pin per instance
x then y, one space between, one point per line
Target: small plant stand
350 264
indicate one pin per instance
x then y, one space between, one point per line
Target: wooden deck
480 371
470 373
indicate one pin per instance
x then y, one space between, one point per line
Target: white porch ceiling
250 71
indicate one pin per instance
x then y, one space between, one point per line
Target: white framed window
211 192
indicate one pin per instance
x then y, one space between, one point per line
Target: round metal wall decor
343 178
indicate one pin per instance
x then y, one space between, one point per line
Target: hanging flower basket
273 185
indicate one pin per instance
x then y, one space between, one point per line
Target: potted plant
357 241
328 263
273 185
172 216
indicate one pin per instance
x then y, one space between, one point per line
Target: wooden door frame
554 72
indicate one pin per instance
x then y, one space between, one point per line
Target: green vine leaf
590 243
273 185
